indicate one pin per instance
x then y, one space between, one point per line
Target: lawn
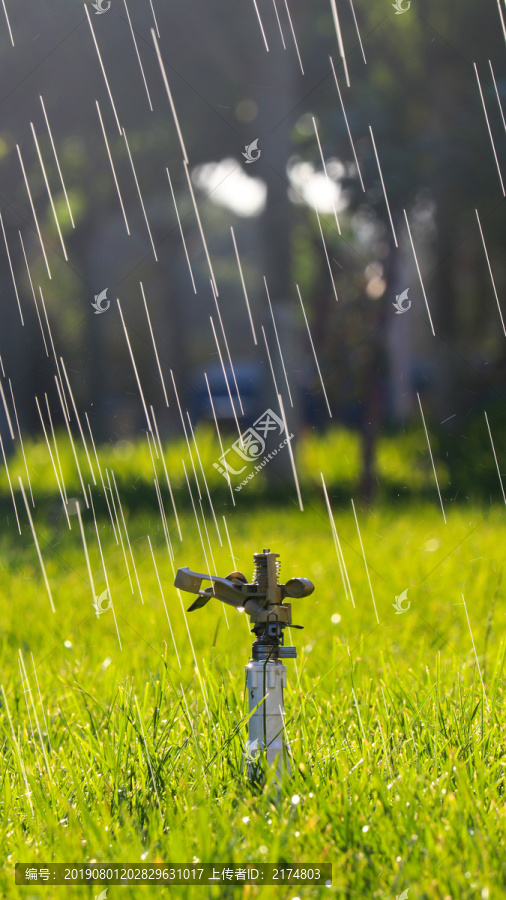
134 753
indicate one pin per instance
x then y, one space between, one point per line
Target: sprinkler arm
239 594
221 588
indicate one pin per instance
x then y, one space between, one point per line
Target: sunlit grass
398 753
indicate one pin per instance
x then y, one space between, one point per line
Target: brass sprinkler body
263 599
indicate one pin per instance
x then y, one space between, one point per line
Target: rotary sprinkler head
263 599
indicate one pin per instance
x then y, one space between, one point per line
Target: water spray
264 602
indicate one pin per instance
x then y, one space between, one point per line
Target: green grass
398 758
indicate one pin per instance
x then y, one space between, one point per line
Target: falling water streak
101 476
33 210
227 476
85 546
10 483
71 439
496 460
491 273
119 532
278 341
28 690
244 287
154 344
140 195
181 231
112 168
204 477
294 37
185 432
270 362
102 67
164 519
365 561
489 130
8 23
7 413
197 748
211 555
57 162
138 56
501 18
337 543
163 600
18 751
202 683
134 367
358 713
208 570
358 31
347 124
149 760
162 457
39 554
62 494
154 17
324 244
81 432
169 95
497 95
340 40
229 544
314 351
199 223
65 409
195 663
134 567
226 380
329 188
55 445
334 533
41 739
33 294
157 483
419 273
431 456
383 186
12 270
2 367
21 442
207 536
279 24
475 654
99 542
261 25
46 181
290 452
34 670
228 349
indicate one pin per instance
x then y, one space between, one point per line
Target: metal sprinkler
263 600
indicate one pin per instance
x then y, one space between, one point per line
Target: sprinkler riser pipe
265 681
